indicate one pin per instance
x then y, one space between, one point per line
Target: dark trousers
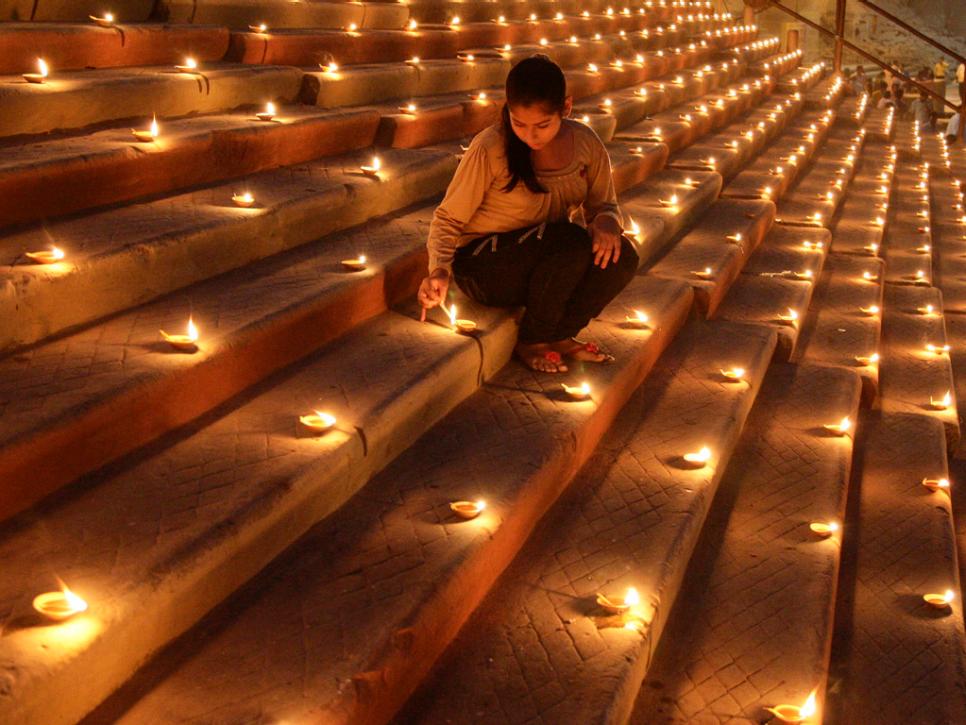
550 270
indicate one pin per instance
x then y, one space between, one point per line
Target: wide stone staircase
762 465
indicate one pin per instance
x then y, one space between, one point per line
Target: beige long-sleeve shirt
475 203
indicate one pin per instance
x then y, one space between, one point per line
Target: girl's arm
601 196
463 197
601 212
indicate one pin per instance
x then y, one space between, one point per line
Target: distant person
886 100
939 70
952 128
922 112
961 80
507 230
860 82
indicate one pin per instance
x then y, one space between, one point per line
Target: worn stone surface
162 538
105 390
707 244
76 46
50 178
771 283
239 14
361 607
74 99
123 257
540 650
896 659
836 330
753 625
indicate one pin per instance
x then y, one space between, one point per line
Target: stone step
843 325
771 174
39 291
895 658
120 258
540 649
649 201
721 242
880 124
75 46
201 516
908 237
864 213
363 85
400 516
73 10
826 94
40 181
309 47
51 178
239 14
778 278
912 374
444 118
818 194
753 624
75 99
113 387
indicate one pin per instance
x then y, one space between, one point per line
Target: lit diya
105 21
698 459
318 422
824 529
59 606
244 200
188 341
373 168
619 606
149 134
936 484
46 256
577 392
268 114
468 509
41 76
841 428
734 375
939 601
794 713
638 319
356 264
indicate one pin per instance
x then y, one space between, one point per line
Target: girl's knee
567 233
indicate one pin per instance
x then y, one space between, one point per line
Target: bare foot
541 357
579 350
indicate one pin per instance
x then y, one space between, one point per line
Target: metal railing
840 43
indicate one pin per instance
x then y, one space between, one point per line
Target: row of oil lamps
246 199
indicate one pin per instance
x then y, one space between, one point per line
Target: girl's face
535 126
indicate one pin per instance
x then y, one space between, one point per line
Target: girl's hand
433 289
606 233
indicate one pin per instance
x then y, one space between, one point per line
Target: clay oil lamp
468 509
59 606
318 422
46 256
187 342
148 135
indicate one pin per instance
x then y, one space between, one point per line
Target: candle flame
413 24
632 598
640 316
43 67
809 708
949 596
270 107
702 456
109 17
481 504
154 129
192 330
76 603
361 259
376 163
190 62
57 253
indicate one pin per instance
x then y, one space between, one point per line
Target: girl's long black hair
534 80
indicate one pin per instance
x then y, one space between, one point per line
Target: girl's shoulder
490 140
586 141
